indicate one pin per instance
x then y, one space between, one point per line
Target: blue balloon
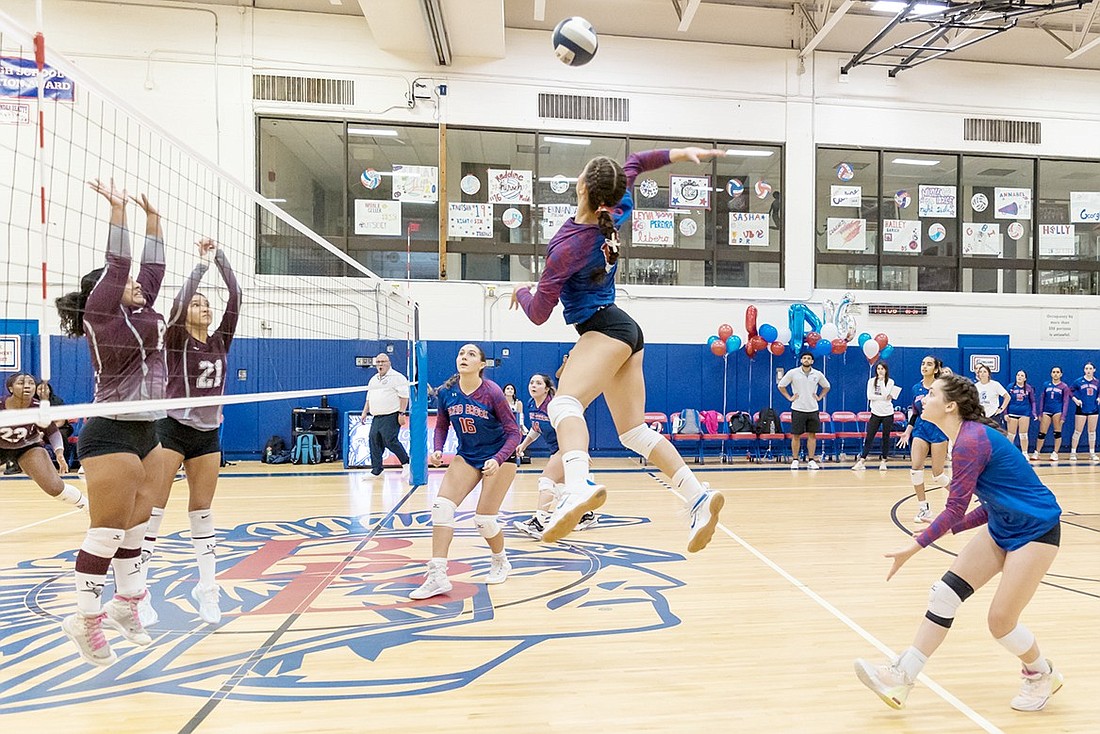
711 340
733 344
799 316
886 351
823 349
769 333
863 339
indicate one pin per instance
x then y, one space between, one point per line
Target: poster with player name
692 192
469 220
846 196
1084 206
748 228
377 217
937 202
982 238
901 235
846 234
653 228
553 217
418 184
1012 203
509 187
1057 239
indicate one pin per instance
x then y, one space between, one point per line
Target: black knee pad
1042 436
946 596
1057 435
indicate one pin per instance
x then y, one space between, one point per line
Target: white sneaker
1053 456
924 513
704 519
571 508
588 520
206 599
1094 458
532 528
435 583
883 466
1073 457
1036 689
147 613
941 480
794 464
812 465
1034 455
859 465
890 682
87 634
122 614
498 569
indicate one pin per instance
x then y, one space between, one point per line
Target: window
847 219
997 208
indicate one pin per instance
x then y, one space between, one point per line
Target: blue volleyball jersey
482 421
1088 392
1022 401
1055 398
1018 507
577 271
922 429
537 417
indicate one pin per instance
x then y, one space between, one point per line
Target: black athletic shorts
1085 412
805 422
7 455
187 441
1052 536
101 436
617 324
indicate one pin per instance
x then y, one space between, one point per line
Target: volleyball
575 41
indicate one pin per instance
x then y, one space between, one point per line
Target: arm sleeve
968 459
649 160
1065 400
1042 399
106 296
507 420
151 274
974 518
442 422
403 389
785 379
228 326
1031 397
825 382
871 390
559 268
186 292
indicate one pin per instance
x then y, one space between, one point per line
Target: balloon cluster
876 347
766 338
822 336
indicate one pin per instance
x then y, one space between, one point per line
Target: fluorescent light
914 162
891 6
566 141
750 153
373 132
277 201
335 2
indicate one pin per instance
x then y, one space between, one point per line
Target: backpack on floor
740 423
690 423
768 422
306 450
275 446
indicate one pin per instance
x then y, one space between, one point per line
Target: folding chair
753 451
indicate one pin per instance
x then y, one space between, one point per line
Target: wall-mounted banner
937 202
901 235
418 184
748 228
982 238
18 78
1012 203
377 217
509 187
846 234
553 216
846 196
689 191
1057 239
1084 206
469 220
651 227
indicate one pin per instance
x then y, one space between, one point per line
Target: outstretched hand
109 192
143 202
207 249
514 305
900 556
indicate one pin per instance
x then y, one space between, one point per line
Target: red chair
782 438
829 435
895 434
700 440
846 427
695 440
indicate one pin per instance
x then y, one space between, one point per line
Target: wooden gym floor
615 630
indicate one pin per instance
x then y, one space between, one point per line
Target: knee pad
546 484
443 512
102 542
1092 437
916 476
945 597
1057 435
1042 436
640 439
487 526
562 407
1018 641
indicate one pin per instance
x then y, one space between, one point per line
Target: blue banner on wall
18 78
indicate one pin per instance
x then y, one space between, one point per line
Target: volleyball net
298 336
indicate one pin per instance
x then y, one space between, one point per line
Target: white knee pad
562 407
640 439
487 526
1018 641
917 477
102 542
1092 438
946 596
443 512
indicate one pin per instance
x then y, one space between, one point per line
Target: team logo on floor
318 609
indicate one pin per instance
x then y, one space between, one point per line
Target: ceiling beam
1084 49
1088 24
688 15
825 29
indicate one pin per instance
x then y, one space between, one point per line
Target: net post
418 416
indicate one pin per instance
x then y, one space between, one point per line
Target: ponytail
964 393
70 307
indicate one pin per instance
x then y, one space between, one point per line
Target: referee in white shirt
387 400
804 411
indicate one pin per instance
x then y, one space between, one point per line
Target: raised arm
151 274
106 296
228 326
189 288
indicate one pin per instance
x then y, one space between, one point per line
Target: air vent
575 107
311 90
1002 131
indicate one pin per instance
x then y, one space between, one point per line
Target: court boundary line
939 690
39 522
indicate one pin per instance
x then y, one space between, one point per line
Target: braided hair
70 307
605 186
964 393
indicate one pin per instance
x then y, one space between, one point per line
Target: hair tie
604 208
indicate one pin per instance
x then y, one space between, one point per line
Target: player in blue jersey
1086 395
926 439
1018 532
1054 408
1022 409
581 261
487 439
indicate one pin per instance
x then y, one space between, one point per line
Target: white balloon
830 332
784 334
870 349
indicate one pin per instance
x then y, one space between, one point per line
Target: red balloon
718 348
725 331
813 338
777 348
882 340
839 346
758 343
750 321
749 350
